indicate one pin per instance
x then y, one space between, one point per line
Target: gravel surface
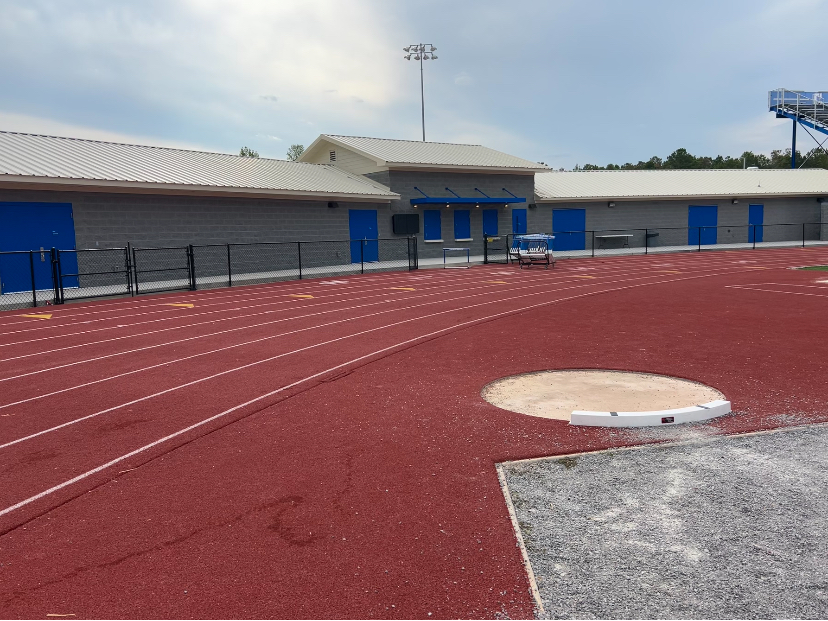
727 527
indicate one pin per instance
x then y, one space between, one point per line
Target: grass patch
818 268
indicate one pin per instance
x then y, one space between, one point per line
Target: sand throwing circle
555 394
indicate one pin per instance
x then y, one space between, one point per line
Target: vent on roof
333 156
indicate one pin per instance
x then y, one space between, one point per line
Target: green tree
248 152
295 151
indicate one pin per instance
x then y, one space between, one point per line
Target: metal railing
615 242
40 277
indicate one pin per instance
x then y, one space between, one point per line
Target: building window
333 156
432 228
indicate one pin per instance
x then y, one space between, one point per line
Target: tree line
683 159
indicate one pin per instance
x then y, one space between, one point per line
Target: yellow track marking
579 276
43 316
303 296
496 282
403 288
181 305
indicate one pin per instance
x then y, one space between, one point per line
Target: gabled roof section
652 184
92 164
414 154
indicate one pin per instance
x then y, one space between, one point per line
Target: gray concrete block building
70 193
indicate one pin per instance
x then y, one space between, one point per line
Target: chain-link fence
94 273
162 269
616 242
26 279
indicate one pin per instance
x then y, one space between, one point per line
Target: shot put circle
555 394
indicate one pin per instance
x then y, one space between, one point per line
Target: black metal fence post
593 244
135 270
485 249
700 230
299 251
646 241
362 256
32 272
416 254
128 268
191 267
229 268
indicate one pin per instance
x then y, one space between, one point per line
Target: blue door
702 221
462 224
756 216
432 225
569 226
490 222
35 226
518 221
362 224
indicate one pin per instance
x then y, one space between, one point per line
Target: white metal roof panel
57 158
608 184
411 152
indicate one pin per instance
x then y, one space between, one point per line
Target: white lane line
712 265
377 352
813 295
271 288
647 274
176 314
488 302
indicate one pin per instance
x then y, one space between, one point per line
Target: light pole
421 52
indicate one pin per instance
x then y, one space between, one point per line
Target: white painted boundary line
266 289
384 350
696 413
527 565
94 359
563 277
813 295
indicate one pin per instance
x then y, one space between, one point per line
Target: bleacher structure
806 108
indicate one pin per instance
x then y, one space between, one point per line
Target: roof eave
100 185
463 168
585 199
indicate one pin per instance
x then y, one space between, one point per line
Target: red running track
260 455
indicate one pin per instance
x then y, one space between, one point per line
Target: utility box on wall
405 223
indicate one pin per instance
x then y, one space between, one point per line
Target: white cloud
35 125
463 79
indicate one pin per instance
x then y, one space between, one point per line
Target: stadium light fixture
421 52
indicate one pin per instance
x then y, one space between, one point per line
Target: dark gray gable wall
434 184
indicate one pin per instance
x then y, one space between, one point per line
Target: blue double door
363 231
39 227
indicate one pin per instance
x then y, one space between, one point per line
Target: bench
625 237
532 250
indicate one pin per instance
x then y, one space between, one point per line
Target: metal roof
620 184
412 153
28 158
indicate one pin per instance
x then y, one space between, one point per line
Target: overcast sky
562 82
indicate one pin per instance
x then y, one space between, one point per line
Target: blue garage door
756 215
518 221
569 226
35 226
363 226
490 222
702 221
462 224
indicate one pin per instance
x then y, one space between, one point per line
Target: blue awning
456 199
461 200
